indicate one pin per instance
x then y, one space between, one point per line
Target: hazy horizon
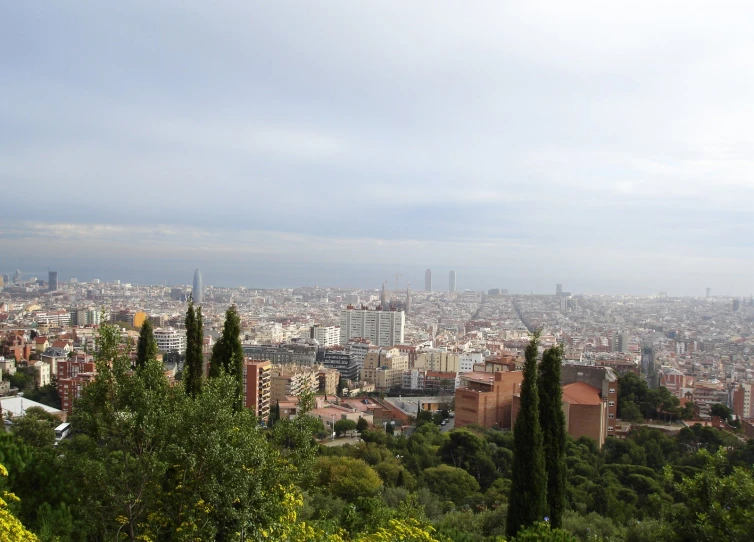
605 147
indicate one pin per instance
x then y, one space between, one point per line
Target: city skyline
521 152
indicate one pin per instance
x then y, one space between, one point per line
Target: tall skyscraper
408 299
452 282
708 292
198 290
383 297
428 280
558 289
52 281
381 328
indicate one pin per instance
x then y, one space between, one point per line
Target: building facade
198 291
169 339
257 379
428 280
379 327
325 335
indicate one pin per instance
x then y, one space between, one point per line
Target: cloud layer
609 147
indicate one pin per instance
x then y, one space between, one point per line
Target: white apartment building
382 328
468 359
325 335
53 318
41 373
170 340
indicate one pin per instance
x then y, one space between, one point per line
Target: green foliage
721 411
528 499
146 347
638 401
468 451
715 505
344 426
422 417
362 425
450 483
552 421
227 354
194 367
47 395
23 381
347 478
36 428
542 532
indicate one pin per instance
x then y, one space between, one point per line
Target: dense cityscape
384 271
394 359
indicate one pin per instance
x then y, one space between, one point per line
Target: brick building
486 399
72 377
257 376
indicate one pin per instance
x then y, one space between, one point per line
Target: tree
528 500
721 411
450 483
193 368
227 354
344 426
552 421
36 428
274 414
47 394
11 529
716 505
347 478
362 425
152 462
146 347
468 451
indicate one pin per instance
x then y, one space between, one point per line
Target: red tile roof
581 393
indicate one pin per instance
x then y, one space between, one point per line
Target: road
448 426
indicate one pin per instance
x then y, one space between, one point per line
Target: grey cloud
504 134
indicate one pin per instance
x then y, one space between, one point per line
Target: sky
606 147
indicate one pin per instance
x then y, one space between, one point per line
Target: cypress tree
227 354
528 495
146 347
192 370
552 421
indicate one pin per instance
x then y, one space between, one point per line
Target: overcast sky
610 148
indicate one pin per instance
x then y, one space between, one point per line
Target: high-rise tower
408 299
383 298
428 280
198 293
452 282
52 281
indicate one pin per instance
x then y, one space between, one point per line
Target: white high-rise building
325 335
382 328
428 280
452 282
170 339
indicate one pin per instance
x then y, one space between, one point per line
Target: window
611 403
612 390
609 428
611 416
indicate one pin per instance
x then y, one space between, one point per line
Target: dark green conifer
528 496
227 354
146 347
552 421
193 368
